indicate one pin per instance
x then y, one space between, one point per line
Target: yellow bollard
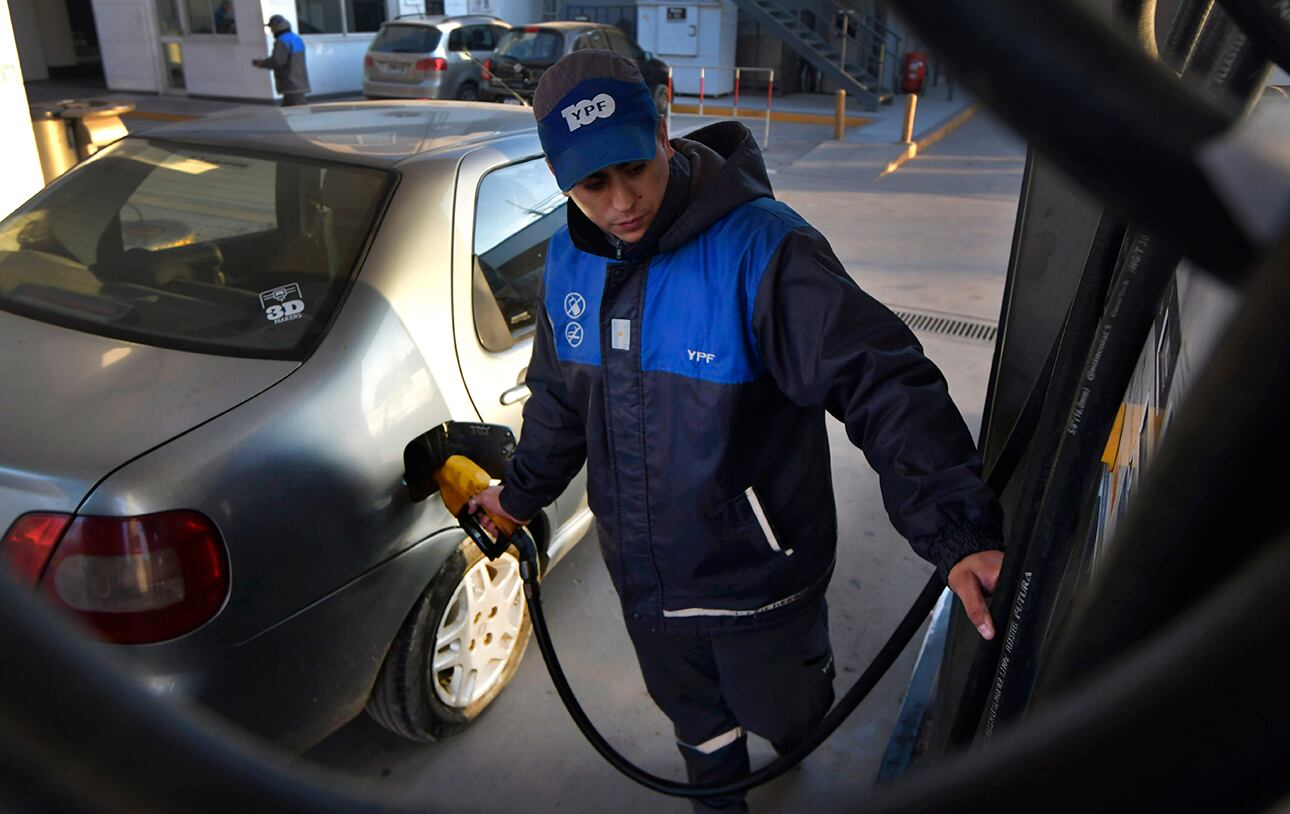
840 117
907 129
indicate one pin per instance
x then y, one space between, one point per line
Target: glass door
171 26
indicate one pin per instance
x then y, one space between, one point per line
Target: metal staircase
858 67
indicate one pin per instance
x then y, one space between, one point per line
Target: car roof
445 21
382 134
564 25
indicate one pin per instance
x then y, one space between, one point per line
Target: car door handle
516 394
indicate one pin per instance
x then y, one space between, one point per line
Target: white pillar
17 144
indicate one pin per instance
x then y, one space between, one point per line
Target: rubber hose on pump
890 651
1146 268
1267 22
1141 14
1042 536
1184 32
1214 460
1052 391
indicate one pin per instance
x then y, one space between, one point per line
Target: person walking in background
225 23
287 62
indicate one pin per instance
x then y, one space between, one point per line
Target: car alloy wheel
479 632
460 645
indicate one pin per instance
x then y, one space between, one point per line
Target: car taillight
368 62
436 64
29 542
531 29
139 579
486 72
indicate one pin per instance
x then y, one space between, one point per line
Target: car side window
590 39
619 42
455 40
517 210
480 38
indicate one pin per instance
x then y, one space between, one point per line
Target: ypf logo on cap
586 111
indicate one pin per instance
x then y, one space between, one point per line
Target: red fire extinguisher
913 72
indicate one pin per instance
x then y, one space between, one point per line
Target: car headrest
141 267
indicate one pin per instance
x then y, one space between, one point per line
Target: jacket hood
715 169
726 171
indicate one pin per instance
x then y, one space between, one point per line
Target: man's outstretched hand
489 500
973 579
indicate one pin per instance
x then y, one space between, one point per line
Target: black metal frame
1140 671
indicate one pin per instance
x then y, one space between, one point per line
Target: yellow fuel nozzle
459 480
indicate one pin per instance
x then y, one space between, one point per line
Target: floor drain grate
948 324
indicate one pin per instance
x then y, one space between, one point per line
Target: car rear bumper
432 88
306 676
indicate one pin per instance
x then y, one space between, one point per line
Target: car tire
422 702
660 99
468 92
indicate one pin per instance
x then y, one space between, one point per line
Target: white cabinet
678 31
690 37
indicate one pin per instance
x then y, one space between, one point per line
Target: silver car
220 337
430 57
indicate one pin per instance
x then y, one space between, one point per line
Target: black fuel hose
530 572
1267 22
914 618
1184 33
1055 387
1086 390
1141 14
1040 546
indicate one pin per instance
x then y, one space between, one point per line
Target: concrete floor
934 235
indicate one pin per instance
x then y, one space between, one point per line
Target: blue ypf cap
594 110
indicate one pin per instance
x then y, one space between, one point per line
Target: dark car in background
430 57
523 54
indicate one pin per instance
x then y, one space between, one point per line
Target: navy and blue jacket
692 373
290 75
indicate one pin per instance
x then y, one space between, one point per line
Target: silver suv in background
430 57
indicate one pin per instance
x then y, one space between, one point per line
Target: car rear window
529 45
192 247
406 39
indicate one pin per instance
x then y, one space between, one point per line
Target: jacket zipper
764 523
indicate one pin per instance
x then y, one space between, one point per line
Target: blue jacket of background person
692 372
288 63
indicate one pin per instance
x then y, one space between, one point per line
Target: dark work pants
776 682
292 99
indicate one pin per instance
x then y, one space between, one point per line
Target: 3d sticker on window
282 304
